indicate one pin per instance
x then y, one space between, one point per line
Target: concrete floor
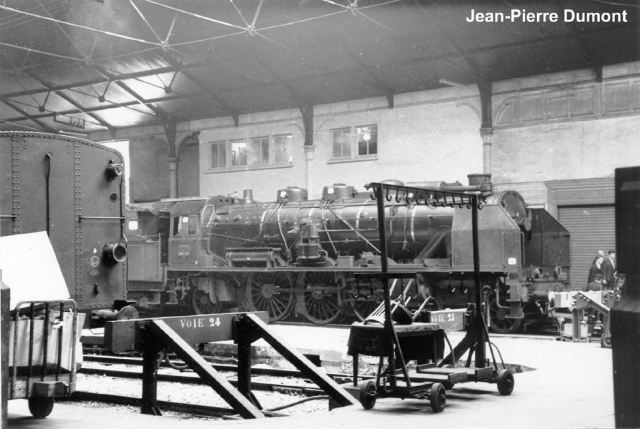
571 386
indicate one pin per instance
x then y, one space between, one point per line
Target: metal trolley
43 342
422 341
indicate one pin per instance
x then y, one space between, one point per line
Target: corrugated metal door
592 228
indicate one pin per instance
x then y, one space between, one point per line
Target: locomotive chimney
247 196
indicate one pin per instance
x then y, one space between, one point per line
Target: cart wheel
605 341
368 394
40 407
437 397
505 382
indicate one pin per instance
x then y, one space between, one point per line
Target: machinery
299 257
73 189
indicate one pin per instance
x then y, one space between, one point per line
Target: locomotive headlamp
114 170
114 253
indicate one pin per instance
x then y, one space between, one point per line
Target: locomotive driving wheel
263 293
319 295
499 321
202 304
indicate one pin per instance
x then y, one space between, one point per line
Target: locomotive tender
73 189
298 257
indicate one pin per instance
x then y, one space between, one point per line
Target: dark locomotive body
73 189
297 256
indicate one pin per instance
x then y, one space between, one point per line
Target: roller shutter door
592 228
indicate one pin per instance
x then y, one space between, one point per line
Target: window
251 153
192 225
238 153
282 148
259 153
358 143
218 155
341 143
367 140
176 225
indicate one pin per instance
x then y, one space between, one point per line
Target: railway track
192 409
288 386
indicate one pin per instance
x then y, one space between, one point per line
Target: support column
173 177
307 121
486 128
487 137
308 156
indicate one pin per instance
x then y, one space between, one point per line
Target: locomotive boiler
73 189
297 257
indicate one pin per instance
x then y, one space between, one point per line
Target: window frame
232 153
220 144
347 134
259 154
288 139
268 147
368 143
354 144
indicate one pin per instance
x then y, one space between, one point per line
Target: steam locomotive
72 189
296 257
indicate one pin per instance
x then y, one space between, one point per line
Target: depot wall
564 130
430 135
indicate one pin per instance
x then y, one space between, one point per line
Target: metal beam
307 121
42 125
69 100
111 106
441 57
158 330
339 394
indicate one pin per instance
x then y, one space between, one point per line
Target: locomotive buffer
405 340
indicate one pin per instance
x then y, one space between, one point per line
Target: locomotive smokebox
114 253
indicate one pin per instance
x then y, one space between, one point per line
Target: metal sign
122 335
69 120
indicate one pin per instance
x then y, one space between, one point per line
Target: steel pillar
625 314
4 368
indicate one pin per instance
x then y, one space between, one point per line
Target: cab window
176 226
192 224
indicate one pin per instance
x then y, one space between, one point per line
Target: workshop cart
44 352
394 334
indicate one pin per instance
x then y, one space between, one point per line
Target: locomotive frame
299 257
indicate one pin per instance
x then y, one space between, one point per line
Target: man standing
596 268
609 271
